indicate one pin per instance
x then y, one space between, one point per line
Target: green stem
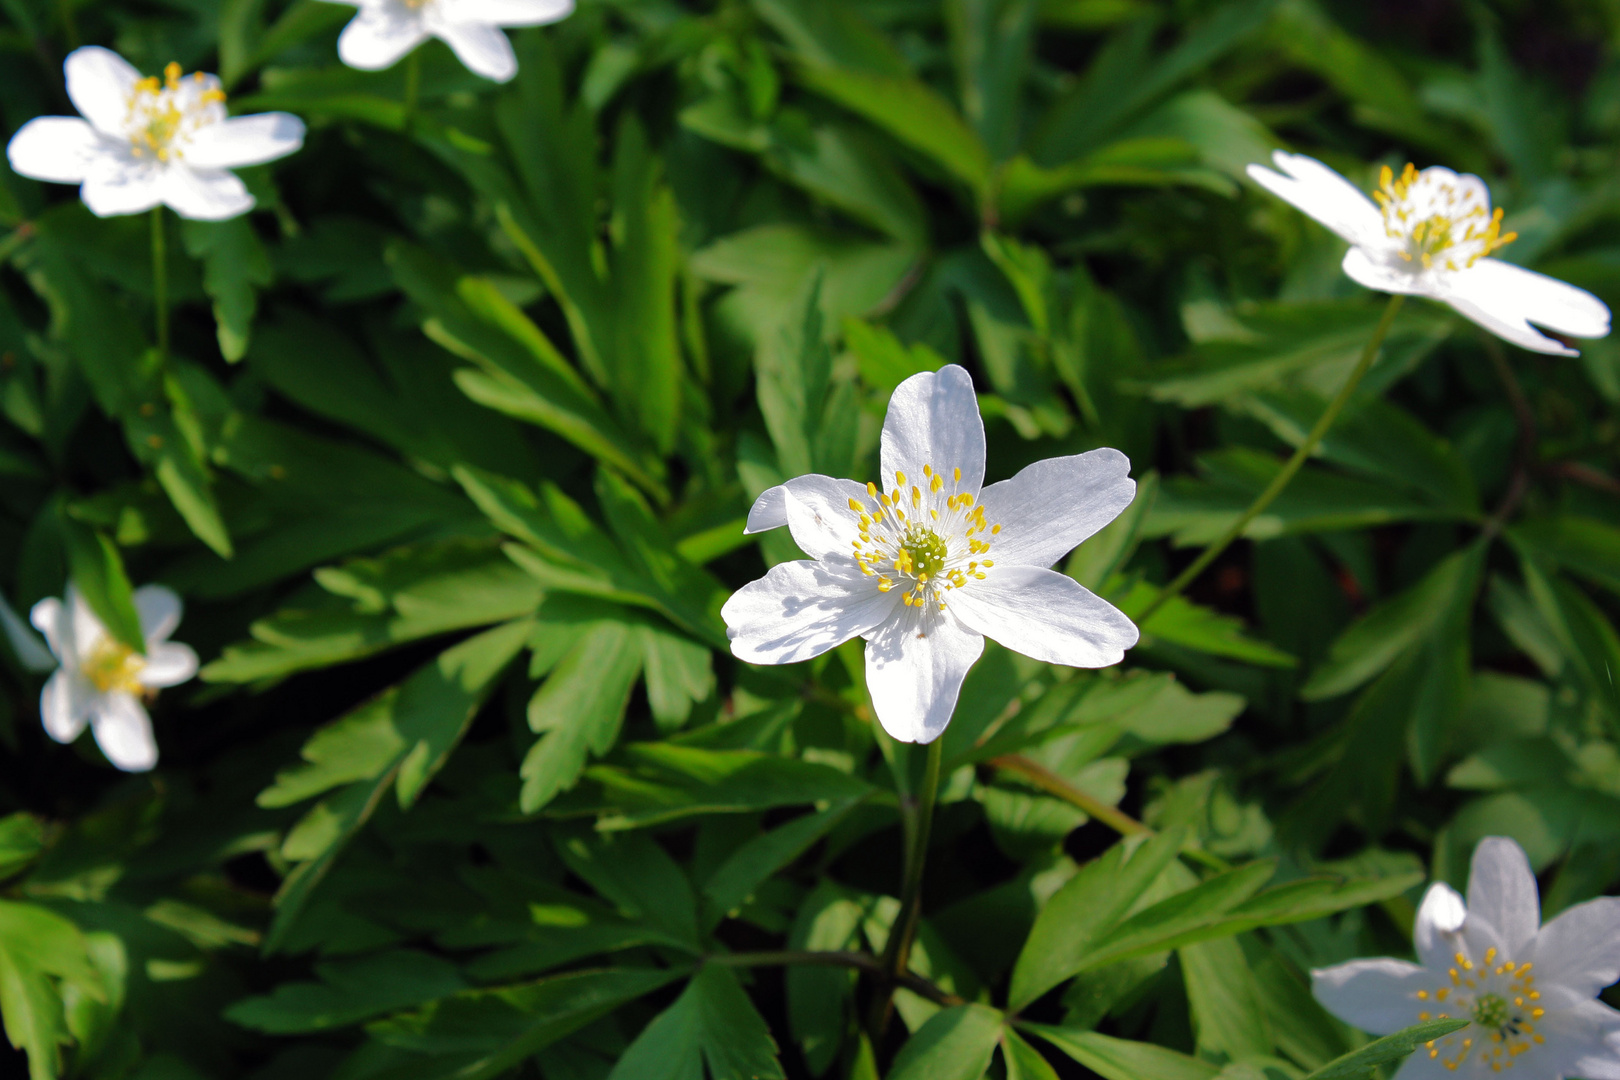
413 85
897 951
1289 471
160 282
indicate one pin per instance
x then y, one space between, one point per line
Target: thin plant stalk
1289 471
897 951
160 282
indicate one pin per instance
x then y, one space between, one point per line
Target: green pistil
927 551
1491 1011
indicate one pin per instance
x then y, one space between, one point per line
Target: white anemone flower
930 567
146 142
385 30
1529 991
1433 233
102 681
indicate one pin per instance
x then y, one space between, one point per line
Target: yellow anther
855 506
937 484
958 476
1423 995
995 530
1424 1016
1490 956
916 496
1443 993
987 562
900 479
171 75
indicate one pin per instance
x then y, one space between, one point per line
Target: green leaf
1224 1001
752 864
349 991
483 1034
22 839
402 739
1193 626
1582 545
41 955
640 878
955 1044
820 1000
1374 641
98 573
712 1023
1121 1059
579 710
1023 1061
235 267
832 32
1389 1049
1085 909
913 113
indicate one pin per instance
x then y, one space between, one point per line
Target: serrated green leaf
1390 1048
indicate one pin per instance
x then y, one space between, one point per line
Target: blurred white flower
1433 233
385 30
150 142
925 571
1529 990
102 680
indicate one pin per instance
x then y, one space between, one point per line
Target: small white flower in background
928 568
102 680
146 142
1529 990
385 30
1433 233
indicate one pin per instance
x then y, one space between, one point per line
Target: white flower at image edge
144 142
101 680
931 563
385 30
1432 233
1529 990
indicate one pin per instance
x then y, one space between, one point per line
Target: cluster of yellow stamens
112 666
164 112
923 537
1501 999
1439 222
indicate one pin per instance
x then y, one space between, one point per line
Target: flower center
1502 1000
1438 220
164 113
112 666
929 538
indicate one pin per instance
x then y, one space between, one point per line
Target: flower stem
897 951
160 282
1289 471
413 85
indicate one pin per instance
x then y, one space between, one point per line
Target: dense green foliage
451 461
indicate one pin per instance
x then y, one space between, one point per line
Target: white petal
799 610
514 12
245 140
58 149
168 664
124 732
1585 1038
1323 194
378 37
101 83
159 609
1502 891
205 194
50 617
769 511
934 420
482 47
1439 925
115 192
818 513
1578 953
1383 275
88 630
29 650
64 705
1046 615
1049 508
915 664
1377 996
1505 299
